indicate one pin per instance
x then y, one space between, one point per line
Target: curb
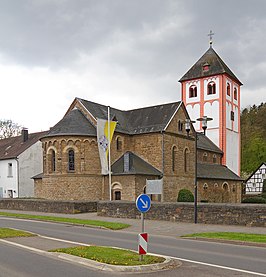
169 263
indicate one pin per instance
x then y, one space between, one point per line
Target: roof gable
215 65
262 165
131 164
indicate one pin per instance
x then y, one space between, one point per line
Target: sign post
143 204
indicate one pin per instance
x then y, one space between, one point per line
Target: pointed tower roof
208 65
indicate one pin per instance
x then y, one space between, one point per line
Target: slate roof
205 143
216 171
137 121
73 123
136 165
216 66
11 148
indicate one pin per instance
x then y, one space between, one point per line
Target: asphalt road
234 256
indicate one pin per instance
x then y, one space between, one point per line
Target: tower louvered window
211 88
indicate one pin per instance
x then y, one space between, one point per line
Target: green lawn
108 225
110 255
11 233
259 238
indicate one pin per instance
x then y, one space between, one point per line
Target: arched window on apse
71 160
214 158
211 88
53 160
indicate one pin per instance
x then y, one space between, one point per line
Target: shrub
185 195
255 199
263 195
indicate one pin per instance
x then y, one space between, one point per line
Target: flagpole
109 155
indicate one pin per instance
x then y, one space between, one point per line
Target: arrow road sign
143 203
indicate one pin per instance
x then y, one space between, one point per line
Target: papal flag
103 140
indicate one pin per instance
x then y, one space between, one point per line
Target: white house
254 183
21 158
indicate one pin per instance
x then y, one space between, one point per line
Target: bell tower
210 88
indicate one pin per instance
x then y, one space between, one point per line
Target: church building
151 143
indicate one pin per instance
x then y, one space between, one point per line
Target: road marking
177 258
23 246
67 241
219 266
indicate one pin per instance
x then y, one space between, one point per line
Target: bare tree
9 129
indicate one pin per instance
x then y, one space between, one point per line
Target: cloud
126 54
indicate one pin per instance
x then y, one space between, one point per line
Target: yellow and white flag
103 141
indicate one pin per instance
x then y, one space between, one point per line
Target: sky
123 53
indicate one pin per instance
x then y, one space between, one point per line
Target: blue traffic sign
143 203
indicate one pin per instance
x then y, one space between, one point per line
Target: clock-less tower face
211 89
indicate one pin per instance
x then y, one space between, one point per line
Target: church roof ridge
135 121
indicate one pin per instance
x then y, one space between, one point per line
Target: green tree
253 138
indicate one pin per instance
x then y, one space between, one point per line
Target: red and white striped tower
211 89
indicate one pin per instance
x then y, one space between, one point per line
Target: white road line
23 246
62 240
219 266
177 258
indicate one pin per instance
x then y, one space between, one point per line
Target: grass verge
105 224
259 238
11 233
110 255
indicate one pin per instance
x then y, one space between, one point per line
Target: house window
180 126
192 91
71 160
205 186
205 156
53 160
214 159
186 160
228 89
211 88
118 144
235 93
10 170
174 152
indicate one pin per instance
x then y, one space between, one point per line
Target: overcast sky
123 53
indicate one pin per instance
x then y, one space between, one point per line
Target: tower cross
210 35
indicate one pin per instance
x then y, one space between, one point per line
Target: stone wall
225 214
48 206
